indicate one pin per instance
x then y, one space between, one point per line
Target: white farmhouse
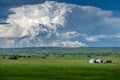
92 61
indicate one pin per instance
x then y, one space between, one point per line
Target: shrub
14 57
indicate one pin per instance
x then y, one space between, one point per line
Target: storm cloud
53 24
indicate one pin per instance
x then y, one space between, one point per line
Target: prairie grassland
58 69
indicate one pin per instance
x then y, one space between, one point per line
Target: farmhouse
92 61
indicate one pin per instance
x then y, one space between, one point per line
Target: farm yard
58 67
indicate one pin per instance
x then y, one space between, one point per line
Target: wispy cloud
99 37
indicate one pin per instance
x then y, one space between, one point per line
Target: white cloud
99 37
95 38
6 31
91 39
68 44
113 22
46 23
68 35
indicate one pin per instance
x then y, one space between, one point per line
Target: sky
59 23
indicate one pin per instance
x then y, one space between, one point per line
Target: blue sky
82 23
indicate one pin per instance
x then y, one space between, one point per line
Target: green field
58 67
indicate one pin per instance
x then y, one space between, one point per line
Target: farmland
58 66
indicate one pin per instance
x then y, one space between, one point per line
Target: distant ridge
61 50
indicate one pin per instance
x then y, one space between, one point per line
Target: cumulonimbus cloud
51 23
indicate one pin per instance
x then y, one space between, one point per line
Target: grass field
58 69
